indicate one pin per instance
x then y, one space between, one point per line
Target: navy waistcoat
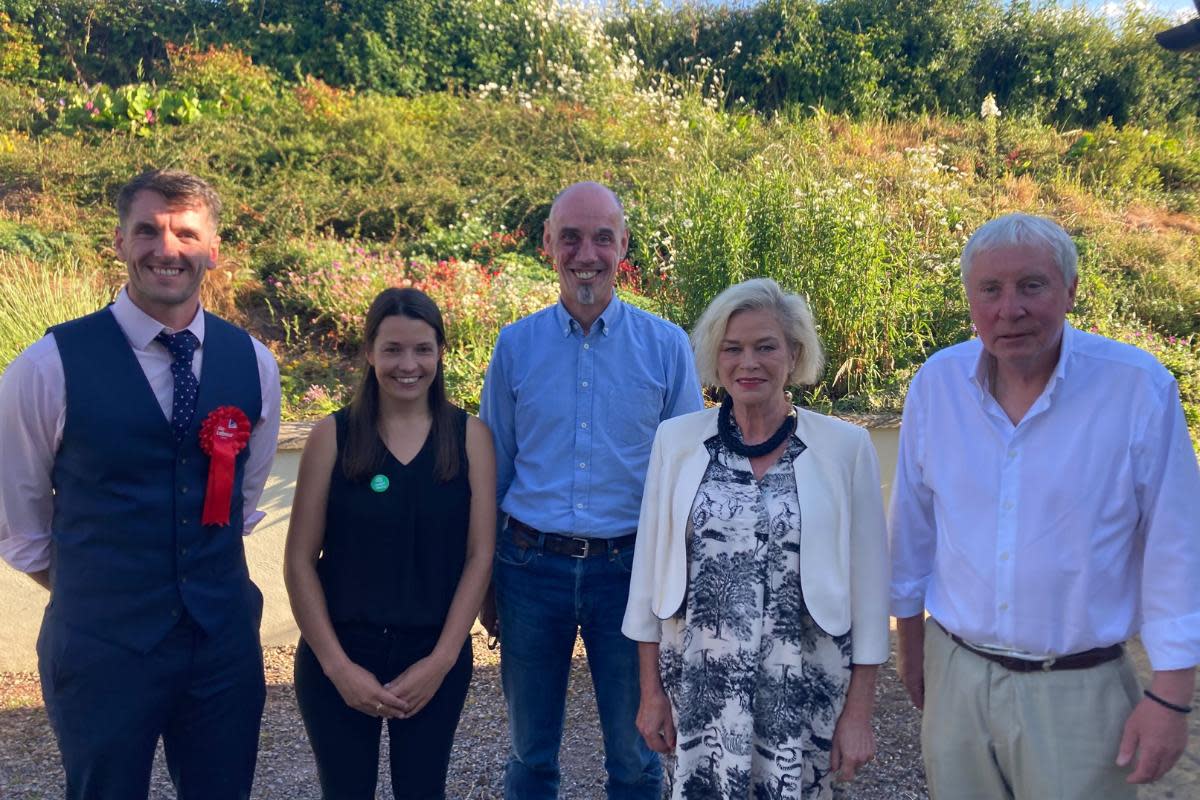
129 556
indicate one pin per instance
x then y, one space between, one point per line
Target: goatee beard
585 295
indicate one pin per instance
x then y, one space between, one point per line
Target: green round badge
380 483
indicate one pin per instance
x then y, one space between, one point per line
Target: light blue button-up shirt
574 416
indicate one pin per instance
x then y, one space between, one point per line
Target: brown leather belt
1083 660
573 546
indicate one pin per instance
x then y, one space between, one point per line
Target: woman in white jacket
759 588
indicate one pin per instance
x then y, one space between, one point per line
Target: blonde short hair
794 317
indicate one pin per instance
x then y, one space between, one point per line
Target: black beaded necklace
731 436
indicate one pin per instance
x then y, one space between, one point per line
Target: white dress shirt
1076 528
33 411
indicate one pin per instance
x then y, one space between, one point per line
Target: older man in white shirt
1046 508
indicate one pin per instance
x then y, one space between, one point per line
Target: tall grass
877 300
34 297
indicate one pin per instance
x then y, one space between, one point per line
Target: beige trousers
992 734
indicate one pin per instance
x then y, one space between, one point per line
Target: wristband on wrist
1167 703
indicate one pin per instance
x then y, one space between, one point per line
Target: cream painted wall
22 601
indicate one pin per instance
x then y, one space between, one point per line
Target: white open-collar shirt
1075 528
33 411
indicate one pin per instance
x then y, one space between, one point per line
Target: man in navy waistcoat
152 626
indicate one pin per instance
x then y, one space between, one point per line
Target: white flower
989 109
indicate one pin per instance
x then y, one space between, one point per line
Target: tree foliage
873 57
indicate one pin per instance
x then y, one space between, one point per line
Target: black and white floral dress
755 685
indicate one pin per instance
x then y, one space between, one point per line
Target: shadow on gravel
30 769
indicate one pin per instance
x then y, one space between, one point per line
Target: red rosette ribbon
223 435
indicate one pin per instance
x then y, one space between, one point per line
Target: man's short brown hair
181 189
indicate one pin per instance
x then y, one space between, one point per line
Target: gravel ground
30 770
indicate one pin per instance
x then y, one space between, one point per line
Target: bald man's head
590 189
586 238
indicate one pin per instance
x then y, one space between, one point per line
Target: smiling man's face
167 249
586 238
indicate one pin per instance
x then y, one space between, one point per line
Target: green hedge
863 57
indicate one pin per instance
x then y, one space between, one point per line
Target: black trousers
108 705
345 742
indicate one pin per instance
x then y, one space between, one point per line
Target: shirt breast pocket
632 413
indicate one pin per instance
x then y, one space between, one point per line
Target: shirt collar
611 316
979 376
140 328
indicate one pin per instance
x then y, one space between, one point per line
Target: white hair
794 317
1023 229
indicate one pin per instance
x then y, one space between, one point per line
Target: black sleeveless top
395 544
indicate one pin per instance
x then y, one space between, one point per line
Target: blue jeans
543 600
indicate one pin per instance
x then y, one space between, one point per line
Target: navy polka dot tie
182 346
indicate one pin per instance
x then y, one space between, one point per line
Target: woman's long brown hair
364 452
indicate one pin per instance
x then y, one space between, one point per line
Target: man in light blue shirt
573 396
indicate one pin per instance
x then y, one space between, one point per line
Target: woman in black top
388 556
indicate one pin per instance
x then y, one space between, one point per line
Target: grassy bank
332 194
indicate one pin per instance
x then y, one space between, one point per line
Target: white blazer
844 565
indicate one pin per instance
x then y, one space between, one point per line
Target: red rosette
224 434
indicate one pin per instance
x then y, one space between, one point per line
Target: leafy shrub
25 240
1071 66
905 57
215 82
1133 160
109 41
19 54
315 383
135 109
224 79
898 57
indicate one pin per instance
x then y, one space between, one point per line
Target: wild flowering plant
333 295
330 291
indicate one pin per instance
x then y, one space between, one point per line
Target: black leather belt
1083 660
573 546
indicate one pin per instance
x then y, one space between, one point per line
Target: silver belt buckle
587 544
1048 664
